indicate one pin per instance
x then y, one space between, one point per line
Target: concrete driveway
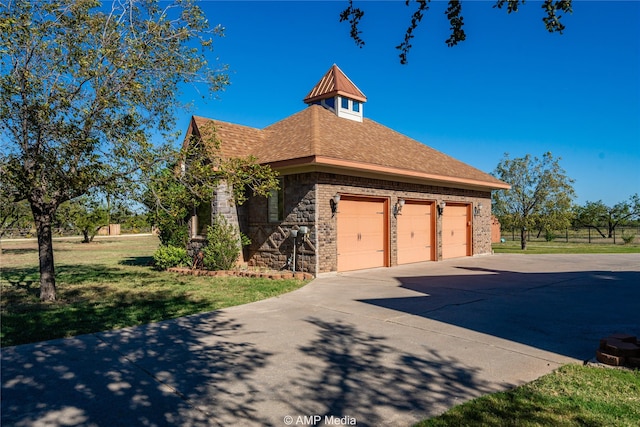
383 347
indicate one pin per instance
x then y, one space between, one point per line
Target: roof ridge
225 122
315 128
337 69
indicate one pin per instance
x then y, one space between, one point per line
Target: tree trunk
523 239
85 234
45 253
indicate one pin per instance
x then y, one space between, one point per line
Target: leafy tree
83 88
88 216
599 216
205 167
553 10
169 203
12 210
175 189
119 210
540 194
13 215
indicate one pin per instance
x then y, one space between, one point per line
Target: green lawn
570 396
106 285
556 247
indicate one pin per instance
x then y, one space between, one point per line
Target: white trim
348 113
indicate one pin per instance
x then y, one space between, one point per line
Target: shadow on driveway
207 370
171 373
562 312
353 373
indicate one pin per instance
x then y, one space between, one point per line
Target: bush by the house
170 256
223 245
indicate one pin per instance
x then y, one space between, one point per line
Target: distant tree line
84 216
541 201
605 219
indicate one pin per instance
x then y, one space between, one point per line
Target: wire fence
29 233
621 235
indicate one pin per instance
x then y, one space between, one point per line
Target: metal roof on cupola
336 92
335 82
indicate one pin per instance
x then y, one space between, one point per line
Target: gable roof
333 83
317 138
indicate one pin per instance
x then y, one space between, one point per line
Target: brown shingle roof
317 136
235 140
333 83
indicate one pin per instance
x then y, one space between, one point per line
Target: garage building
356 194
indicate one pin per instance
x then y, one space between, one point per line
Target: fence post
567 234
589 228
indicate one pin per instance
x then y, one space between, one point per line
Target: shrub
223 245
628 238
170 256
549 236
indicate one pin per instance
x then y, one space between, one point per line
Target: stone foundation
275 275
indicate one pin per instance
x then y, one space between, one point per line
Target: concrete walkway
383 347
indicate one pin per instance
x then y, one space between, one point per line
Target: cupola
336 92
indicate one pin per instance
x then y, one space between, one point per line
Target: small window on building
330 102
203 214
356 106
345 103
275 203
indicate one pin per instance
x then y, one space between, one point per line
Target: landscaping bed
275 275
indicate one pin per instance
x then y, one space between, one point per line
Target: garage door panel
415 233
361 234
455 231
360 260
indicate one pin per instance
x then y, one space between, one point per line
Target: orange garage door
415 236
456 231
362 229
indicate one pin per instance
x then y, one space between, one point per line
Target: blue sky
510 87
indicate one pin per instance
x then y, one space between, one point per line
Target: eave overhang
367 170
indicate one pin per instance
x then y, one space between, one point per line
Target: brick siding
307 199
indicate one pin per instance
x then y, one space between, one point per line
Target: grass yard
108 284
573 395
542 247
